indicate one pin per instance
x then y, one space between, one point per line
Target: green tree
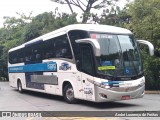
31 31
25 28
86 5
145 24
45 23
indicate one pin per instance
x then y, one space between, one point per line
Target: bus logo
51 66
64 66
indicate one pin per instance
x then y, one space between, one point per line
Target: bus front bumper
104 95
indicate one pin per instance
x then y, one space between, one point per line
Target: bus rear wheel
68 94
19 86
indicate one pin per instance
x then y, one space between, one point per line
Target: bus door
87 71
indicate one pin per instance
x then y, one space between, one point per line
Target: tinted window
86 59
34 52
16 56
74 35
49 51
58 48
54 48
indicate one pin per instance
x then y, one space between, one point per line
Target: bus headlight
97 83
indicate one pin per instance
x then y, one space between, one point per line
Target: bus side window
62 47
74 35
49 49
16 56
21 60
57 48
38 56
86 60
27 58
11 57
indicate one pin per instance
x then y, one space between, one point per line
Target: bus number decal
88 91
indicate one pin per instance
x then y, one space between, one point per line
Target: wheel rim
70 94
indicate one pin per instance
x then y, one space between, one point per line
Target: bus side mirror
150 46
93 42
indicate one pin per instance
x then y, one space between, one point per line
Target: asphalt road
12 100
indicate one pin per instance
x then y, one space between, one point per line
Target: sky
10 7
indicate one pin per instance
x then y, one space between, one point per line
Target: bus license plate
126 97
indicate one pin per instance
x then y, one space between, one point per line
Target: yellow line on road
71 118
93 118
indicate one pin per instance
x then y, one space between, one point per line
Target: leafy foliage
86 5
19 30
145 24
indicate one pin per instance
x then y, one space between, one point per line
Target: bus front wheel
68 94
19 86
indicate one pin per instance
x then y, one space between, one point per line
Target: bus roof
85 27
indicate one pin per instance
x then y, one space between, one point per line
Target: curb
152 92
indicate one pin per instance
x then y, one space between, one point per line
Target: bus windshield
120 56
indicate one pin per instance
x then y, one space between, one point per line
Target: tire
19 86
68 94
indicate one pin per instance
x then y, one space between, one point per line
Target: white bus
97 63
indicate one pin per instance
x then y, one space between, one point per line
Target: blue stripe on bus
113 82
49 66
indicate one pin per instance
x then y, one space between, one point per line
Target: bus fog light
103 95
